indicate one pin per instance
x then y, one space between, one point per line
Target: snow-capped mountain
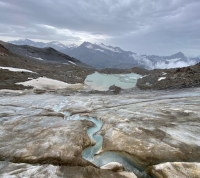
104 56
44 55
53 44
72 46
25 41
56 45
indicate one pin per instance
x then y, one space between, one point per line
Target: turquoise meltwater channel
105 157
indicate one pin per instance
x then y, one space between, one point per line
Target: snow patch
89 46
37 58
109 48
57 43
72 62
72 46
16 69
144 76
99 50
161 78
23 39
50 84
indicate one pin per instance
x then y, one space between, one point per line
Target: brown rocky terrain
137 70
66 73
159 79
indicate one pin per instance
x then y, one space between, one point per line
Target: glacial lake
102 82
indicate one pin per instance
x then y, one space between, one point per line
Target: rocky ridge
185 77
105 56
68 73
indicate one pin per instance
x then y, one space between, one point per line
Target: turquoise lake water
102 82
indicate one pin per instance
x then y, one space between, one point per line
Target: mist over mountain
104 56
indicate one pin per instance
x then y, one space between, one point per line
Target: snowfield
16 69
50 84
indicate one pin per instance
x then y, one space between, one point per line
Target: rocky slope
171 78
69 73
42 54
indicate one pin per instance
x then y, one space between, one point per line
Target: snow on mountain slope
56 45
72 46
106 56
113 49
53 44
89 46
16 69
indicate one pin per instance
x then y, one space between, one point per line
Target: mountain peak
24 39
178 55
85 43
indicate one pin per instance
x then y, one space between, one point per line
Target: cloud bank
144 26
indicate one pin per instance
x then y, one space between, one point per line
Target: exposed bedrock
31 134
176 170
8 170
153 127
159 79
114 166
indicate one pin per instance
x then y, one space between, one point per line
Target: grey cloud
144 26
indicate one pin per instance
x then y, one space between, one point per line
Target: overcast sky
160 27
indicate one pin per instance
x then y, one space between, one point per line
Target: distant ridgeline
103 56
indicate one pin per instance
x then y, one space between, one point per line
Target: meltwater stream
108 156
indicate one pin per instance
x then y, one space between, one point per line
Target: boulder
175 169
115 89
113 166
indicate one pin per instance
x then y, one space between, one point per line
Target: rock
39 91
113 166
137 70
175 169
163 126
185 77
33 133
115 89
11 170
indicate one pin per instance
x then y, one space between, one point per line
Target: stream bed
99 160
